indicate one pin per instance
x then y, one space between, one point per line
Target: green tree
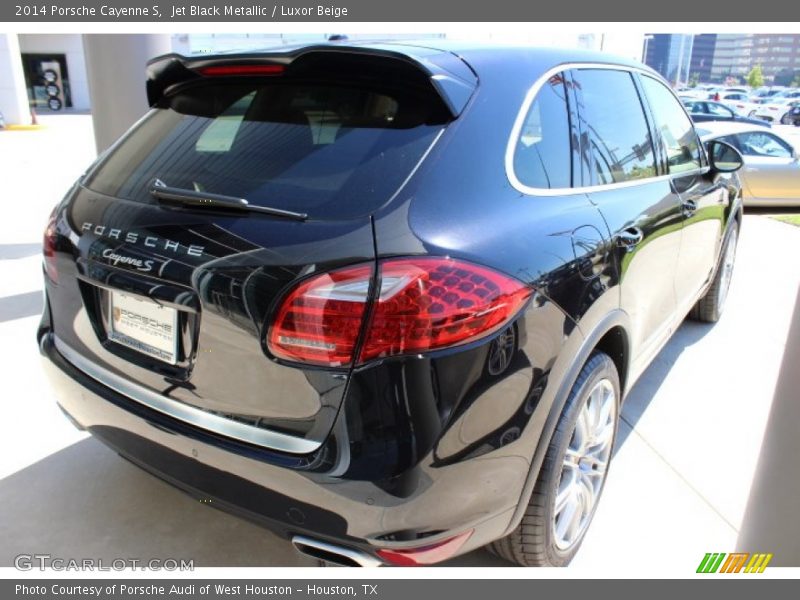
796 82
694 79
755 78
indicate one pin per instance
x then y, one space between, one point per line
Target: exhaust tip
331 553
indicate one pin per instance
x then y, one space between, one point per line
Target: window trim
530 97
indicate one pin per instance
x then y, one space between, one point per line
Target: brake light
49 248
318 322
431 303
423 304
425 555
240 70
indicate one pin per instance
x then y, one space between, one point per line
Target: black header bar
340 11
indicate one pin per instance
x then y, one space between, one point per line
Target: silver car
771 173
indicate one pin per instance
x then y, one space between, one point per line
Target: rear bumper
287 494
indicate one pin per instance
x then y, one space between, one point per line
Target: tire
536 540
709 308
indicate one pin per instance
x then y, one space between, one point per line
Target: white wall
116 66
13 100
70 45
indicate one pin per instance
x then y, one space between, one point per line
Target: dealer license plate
144 325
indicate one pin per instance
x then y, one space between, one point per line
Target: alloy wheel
584 466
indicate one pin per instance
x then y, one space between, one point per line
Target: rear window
331 150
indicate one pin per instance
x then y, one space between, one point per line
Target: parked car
702 111
792 115
736 90
765 93
792 93
383 298
771 173
709 90
775 109
739 102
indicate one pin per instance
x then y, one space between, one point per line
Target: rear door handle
629 238
689 207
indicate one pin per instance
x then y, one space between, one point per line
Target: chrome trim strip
185 412
520 120
361 558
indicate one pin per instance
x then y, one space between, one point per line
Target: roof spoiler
452 79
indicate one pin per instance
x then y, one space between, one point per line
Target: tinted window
613 126
696 108
675 128
542 158
326 149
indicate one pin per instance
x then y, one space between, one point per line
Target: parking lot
690 440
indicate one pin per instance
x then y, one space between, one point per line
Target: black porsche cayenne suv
386 299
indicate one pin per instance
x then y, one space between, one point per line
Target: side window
723 154
692 107
675 128
542 157
718 110
732 140
614 126
757 143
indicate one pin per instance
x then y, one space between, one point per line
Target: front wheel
573 472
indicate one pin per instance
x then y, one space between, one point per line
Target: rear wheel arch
610 336
615 344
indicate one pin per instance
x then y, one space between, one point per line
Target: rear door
703 202
170 304
642 211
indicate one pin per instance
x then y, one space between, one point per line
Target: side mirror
723 157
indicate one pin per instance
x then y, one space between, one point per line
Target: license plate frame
143 325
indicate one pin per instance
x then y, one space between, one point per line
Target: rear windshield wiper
206 200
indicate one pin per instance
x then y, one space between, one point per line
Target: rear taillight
49 248
240 70
319 320
423 304
430 303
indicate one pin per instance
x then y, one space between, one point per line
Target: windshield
333 151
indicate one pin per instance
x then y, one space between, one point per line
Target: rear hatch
168 301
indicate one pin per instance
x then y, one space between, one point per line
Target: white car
766 93
771 172
740 102
773 110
